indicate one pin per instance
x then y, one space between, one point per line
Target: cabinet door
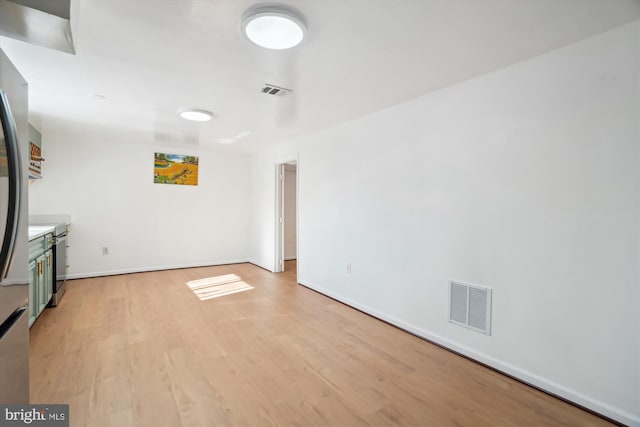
33 291
48 276
42 294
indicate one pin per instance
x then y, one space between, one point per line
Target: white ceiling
152 57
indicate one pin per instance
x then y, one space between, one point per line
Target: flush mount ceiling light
196 115
273 27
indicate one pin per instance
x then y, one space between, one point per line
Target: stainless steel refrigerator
14 272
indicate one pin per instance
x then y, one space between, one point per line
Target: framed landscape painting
175 169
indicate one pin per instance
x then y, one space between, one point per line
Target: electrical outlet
349 268
105 250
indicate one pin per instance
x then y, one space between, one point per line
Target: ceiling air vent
274 90
470 306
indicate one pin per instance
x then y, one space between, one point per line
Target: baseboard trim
257 264
601 409
154 268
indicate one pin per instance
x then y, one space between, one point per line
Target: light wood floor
143 350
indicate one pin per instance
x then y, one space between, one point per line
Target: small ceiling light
196 115
273 27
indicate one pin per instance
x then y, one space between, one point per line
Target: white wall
525 180
103 178
290 212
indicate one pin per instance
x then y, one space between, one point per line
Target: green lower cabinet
40 277
33 291
42 303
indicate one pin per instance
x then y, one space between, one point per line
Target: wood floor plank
144 350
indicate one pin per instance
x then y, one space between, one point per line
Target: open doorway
290 220
286 216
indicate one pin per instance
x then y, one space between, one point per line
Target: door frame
279 211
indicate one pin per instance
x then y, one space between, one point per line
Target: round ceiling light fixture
273 27
196 115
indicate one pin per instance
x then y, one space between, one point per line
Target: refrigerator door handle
11 320
15 183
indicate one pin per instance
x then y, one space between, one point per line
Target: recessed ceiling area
148 58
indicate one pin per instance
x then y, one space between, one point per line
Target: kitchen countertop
36 231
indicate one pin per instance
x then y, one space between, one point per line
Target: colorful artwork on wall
175 169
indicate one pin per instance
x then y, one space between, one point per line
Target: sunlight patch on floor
218 286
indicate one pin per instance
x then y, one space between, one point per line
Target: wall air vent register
470 306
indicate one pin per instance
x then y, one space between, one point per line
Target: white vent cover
470 306
274 90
